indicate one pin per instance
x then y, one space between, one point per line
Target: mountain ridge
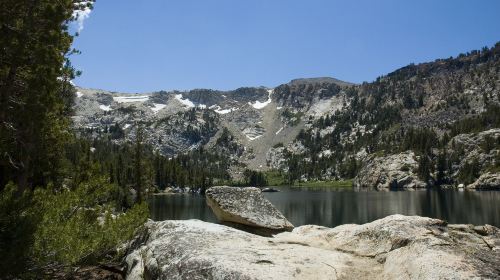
323 123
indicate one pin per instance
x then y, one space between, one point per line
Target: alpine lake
331 207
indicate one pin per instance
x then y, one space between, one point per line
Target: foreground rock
487 181
198 250
396 247
394 171
245 206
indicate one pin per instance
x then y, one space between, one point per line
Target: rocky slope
396 247
394 171
323 128
176 122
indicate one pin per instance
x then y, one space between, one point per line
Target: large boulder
487 181
393 171
396 247
246 206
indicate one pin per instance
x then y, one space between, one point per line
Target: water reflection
331 208
180 207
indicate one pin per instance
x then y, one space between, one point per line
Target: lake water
330 208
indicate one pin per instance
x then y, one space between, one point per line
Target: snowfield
260 105
132 98
251 138
185 102
105 108
222 111
279 130
157 107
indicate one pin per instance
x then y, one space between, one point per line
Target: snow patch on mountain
106 108
251 138
130 99
185 102
221 111
79 94
254 132
260 105
279 130
157 107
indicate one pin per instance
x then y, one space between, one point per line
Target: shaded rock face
396 247
480 149
394 171
245 206
486 181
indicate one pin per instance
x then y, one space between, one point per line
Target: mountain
324 128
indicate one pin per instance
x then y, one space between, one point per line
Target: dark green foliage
442 166
227 142
486 120
79 226
140 180
197 169
254 178
350 168
63 208
469 172
420 141
17 225
424 167
36 96
116 132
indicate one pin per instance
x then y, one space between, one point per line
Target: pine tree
35 94
139 183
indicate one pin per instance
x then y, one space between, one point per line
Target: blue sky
142 46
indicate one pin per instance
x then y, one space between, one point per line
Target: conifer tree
35 94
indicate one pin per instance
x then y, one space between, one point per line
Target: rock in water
395 247
246 206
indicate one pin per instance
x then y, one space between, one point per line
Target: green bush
78 226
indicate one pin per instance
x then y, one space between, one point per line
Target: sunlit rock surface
245 206
396 247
